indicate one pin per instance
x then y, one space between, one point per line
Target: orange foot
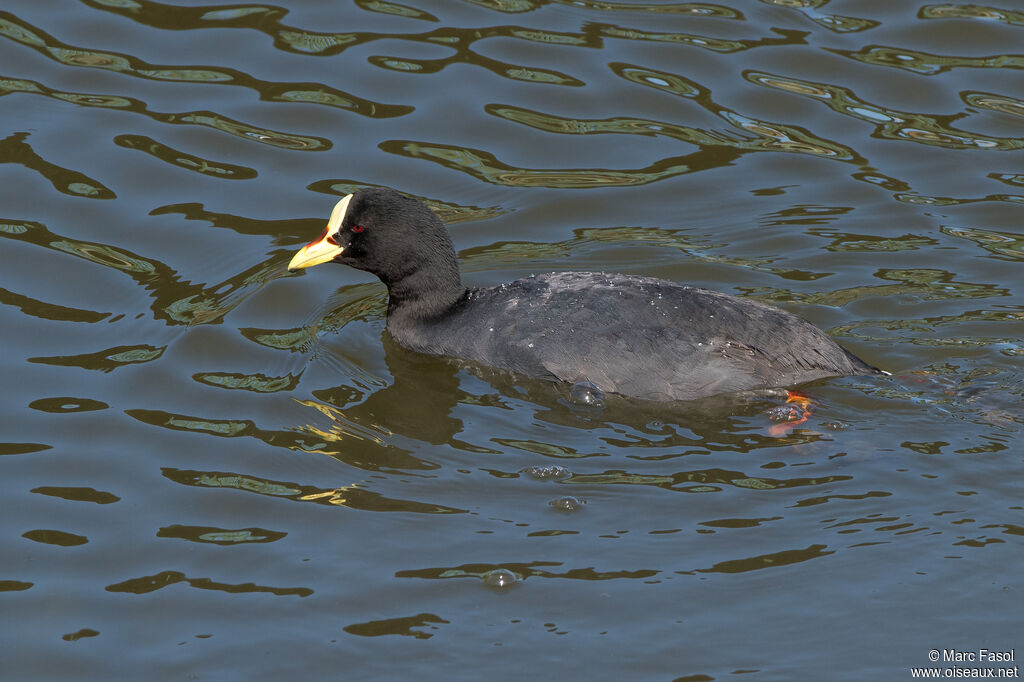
797 409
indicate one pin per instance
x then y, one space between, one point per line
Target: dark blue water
213 469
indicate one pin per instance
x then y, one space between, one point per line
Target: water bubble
784 413
567 503
500 578
586 394
547 473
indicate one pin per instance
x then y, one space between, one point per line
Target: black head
386 233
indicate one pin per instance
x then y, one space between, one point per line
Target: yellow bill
326 247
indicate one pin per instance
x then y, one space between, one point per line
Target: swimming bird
640 337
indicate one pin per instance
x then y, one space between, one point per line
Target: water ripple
449 212
220 536
977 12
926 284
175 301
485 166
769 136
14 149
152 583
184 160
49 311
721 45
692 9
105 360
353 496
314 93
291 39
890 124
833 22
924 63
190 427
207 119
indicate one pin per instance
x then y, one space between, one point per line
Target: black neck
425 293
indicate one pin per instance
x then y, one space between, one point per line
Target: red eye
358 228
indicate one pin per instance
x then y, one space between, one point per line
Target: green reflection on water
692 9
105 360
220 536
77 494
485 166
14 585
546 449
49 311
396 626
889 124
22 448
924 200
184 160
216 427
19 31
933 325
351 496
1004 104
553 255
232 13
66 405
739 523
292 39
979 12
55 537
395 9
708 480
14 149
258 383
175 301
353 437
849 241
769 136
924 283
448 212
152 583
524 569
717 147
786 37
298 340
927 64
206 119
772 560
833 22
1002 245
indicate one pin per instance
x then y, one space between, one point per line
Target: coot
636 336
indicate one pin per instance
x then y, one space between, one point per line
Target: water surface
214 469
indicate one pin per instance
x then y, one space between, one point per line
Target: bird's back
637 336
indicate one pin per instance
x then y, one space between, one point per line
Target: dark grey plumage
636 336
